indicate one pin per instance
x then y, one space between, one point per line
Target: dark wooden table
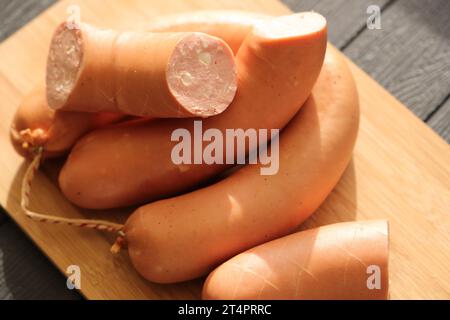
409 56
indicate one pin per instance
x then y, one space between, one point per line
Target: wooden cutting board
400 171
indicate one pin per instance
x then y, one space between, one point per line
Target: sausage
343 261
276 73
184 237
186 74
36 125
230 25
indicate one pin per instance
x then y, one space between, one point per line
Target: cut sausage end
201 75
63 63
295 25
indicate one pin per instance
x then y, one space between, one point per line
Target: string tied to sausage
101 225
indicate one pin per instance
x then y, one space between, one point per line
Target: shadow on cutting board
340 205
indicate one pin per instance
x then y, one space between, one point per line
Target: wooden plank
3 216
410 55
400 171
440 121
345 17
24 272
15 14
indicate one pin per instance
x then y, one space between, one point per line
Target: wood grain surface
410 55
14 14
34 277
440 120
400 171
346 18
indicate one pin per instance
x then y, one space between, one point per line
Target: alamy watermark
190 150
374 280
374 19
74 277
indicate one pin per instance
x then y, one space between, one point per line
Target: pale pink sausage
161 75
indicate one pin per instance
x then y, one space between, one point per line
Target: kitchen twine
82 223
